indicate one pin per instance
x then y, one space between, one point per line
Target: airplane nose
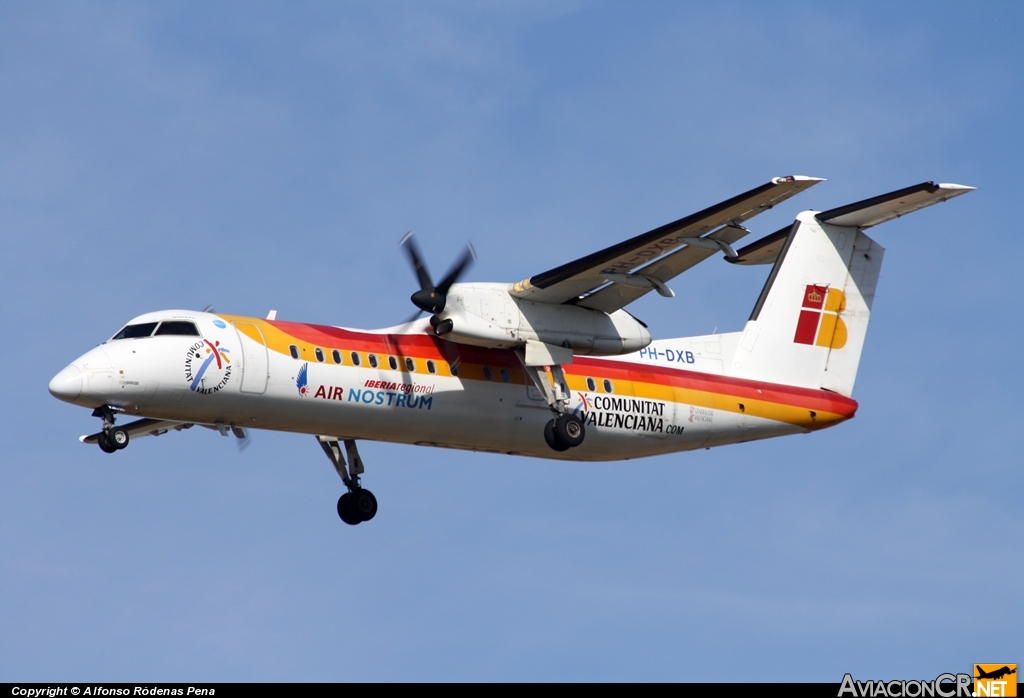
67 385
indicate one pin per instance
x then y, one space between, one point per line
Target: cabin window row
372 360
592 385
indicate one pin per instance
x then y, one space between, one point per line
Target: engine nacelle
487 315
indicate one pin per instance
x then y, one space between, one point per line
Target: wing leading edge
611 278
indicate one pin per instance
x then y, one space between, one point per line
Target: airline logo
995 680
819 323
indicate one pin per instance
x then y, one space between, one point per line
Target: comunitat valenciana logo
207 367
987 680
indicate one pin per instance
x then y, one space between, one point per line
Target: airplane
995 674
549 367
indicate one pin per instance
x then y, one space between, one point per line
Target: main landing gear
111 438
566 430
356 505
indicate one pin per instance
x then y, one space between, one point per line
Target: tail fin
809 324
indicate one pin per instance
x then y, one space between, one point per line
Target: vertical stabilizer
809 324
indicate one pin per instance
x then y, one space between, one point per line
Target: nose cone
67 385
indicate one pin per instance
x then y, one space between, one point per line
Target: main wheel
345 510
363 504
551 437
104 443
118 438
569 430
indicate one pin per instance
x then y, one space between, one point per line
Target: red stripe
427 346
723 385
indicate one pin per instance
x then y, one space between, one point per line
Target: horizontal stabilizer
862 214
763 251
880 209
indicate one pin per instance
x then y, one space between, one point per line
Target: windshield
178 327
135 331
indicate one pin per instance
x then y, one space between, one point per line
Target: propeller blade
418 265
431 298
468 257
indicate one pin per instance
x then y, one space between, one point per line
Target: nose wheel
358 504
112 438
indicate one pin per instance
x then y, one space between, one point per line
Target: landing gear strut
566 430
358 504
112 438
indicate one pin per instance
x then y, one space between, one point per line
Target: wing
142 427
618 275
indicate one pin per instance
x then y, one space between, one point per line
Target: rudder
809 324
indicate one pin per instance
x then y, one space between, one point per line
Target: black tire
569 430
345 510
104 443
551 437
364 504
118 438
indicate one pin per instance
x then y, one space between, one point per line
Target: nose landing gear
112 438
358 504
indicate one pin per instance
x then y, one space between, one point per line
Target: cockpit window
178 327
135 331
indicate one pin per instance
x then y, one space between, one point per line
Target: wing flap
572 280
879 209
616 295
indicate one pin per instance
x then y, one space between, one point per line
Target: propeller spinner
431 298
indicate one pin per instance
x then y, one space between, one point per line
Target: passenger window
591 385
393 363
454 368
177 327
373 361
355 359
136 331
607 385
431 367
336 355
319 354
504 375
293 350
410 364
487 373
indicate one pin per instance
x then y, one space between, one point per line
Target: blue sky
264 155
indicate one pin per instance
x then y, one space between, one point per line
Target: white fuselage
646 404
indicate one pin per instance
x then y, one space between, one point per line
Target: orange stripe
811 409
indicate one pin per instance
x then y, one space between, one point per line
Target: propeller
431 298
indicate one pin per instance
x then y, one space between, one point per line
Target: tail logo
819 323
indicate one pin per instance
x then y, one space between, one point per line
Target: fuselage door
255 367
